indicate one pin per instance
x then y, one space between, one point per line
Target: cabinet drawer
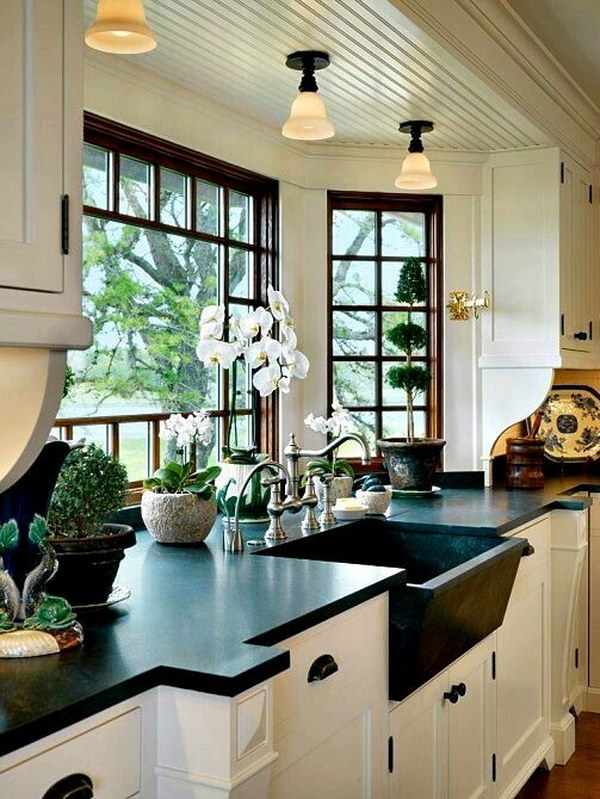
109 754
308 712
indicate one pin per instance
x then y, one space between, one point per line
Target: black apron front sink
457 589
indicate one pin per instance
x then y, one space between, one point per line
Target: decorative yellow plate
571 424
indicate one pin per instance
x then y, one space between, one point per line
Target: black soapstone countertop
206 620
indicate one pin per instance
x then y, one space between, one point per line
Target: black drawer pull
455 693
527 550
323 667
75 786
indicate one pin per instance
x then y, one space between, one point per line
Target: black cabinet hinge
494 775
576 657
493 665
590 194
391 754
64 235
562 171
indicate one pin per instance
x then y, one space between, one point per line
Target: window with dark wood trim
136 182
370 236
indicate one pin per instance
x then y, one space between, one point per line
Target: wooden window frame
158 152
432 206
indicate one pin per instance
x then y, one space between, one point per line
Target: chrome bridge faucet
293 502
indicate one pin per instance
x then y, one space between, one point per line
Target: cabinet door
31 156
576 278
594 595
471 723
418 740
329 733
522 663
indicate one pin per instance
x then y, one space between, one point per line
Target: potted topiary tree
91 487
411 461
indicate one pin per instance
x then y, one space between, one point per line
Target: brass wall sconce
462 304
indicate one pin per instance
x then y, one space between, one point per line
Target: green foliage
91 485
54 613
178 478
9 535
253 504
38 530
409 377
224 503
338 468
412 286
407 336
69 381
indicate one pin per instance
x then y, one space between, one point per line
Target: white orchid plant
264 338
339 422
181 476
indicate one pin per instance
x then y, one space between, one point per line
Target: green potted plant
411 461
91 487
178 503
339 422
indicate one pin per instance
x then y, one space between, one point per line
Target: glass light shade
308 119
120 27
416 173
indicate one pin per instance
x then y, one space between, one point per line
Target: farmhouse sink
457 590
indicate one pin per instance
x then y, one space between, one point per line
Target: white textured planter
376 502
340 487
178 518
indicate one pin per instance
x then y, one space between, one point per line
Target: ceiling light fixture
308 117
120 27
416 171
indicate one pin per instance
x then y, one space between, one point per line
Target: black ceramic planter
411 466
87 567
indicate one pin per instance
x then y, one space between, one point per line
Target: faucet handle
327 478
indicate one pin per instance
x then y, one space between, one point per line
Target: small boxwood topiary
91 485
409 337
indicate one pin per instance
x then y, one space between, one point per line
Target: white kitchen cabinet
107 753
442 735
568 551
579 314
40 171
329 734
593 698
523 667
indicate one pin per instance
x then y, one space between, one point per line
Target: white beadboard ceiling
382 72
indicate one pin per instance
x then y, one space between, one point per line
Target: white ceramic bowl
376 502
346 515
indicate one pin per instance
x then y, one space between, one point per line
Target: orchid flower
211 321
275 357
278 304
267 349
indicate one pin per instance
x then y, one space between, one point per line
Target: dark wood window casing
121 140
431 206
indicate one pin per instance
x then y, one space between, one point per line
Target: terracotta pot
411 466
178 518
340 487
87 567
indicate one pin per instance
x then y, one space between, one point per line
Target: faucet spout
333 445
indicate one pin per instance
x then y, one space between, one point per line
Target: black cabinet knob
581 336
322 668
455 693
528 550
75 786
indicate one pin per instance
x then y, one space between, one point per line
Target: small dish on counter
376 502
349 509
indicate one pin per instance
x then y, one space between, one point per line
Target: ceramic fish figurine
47 624
9 593
35 582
